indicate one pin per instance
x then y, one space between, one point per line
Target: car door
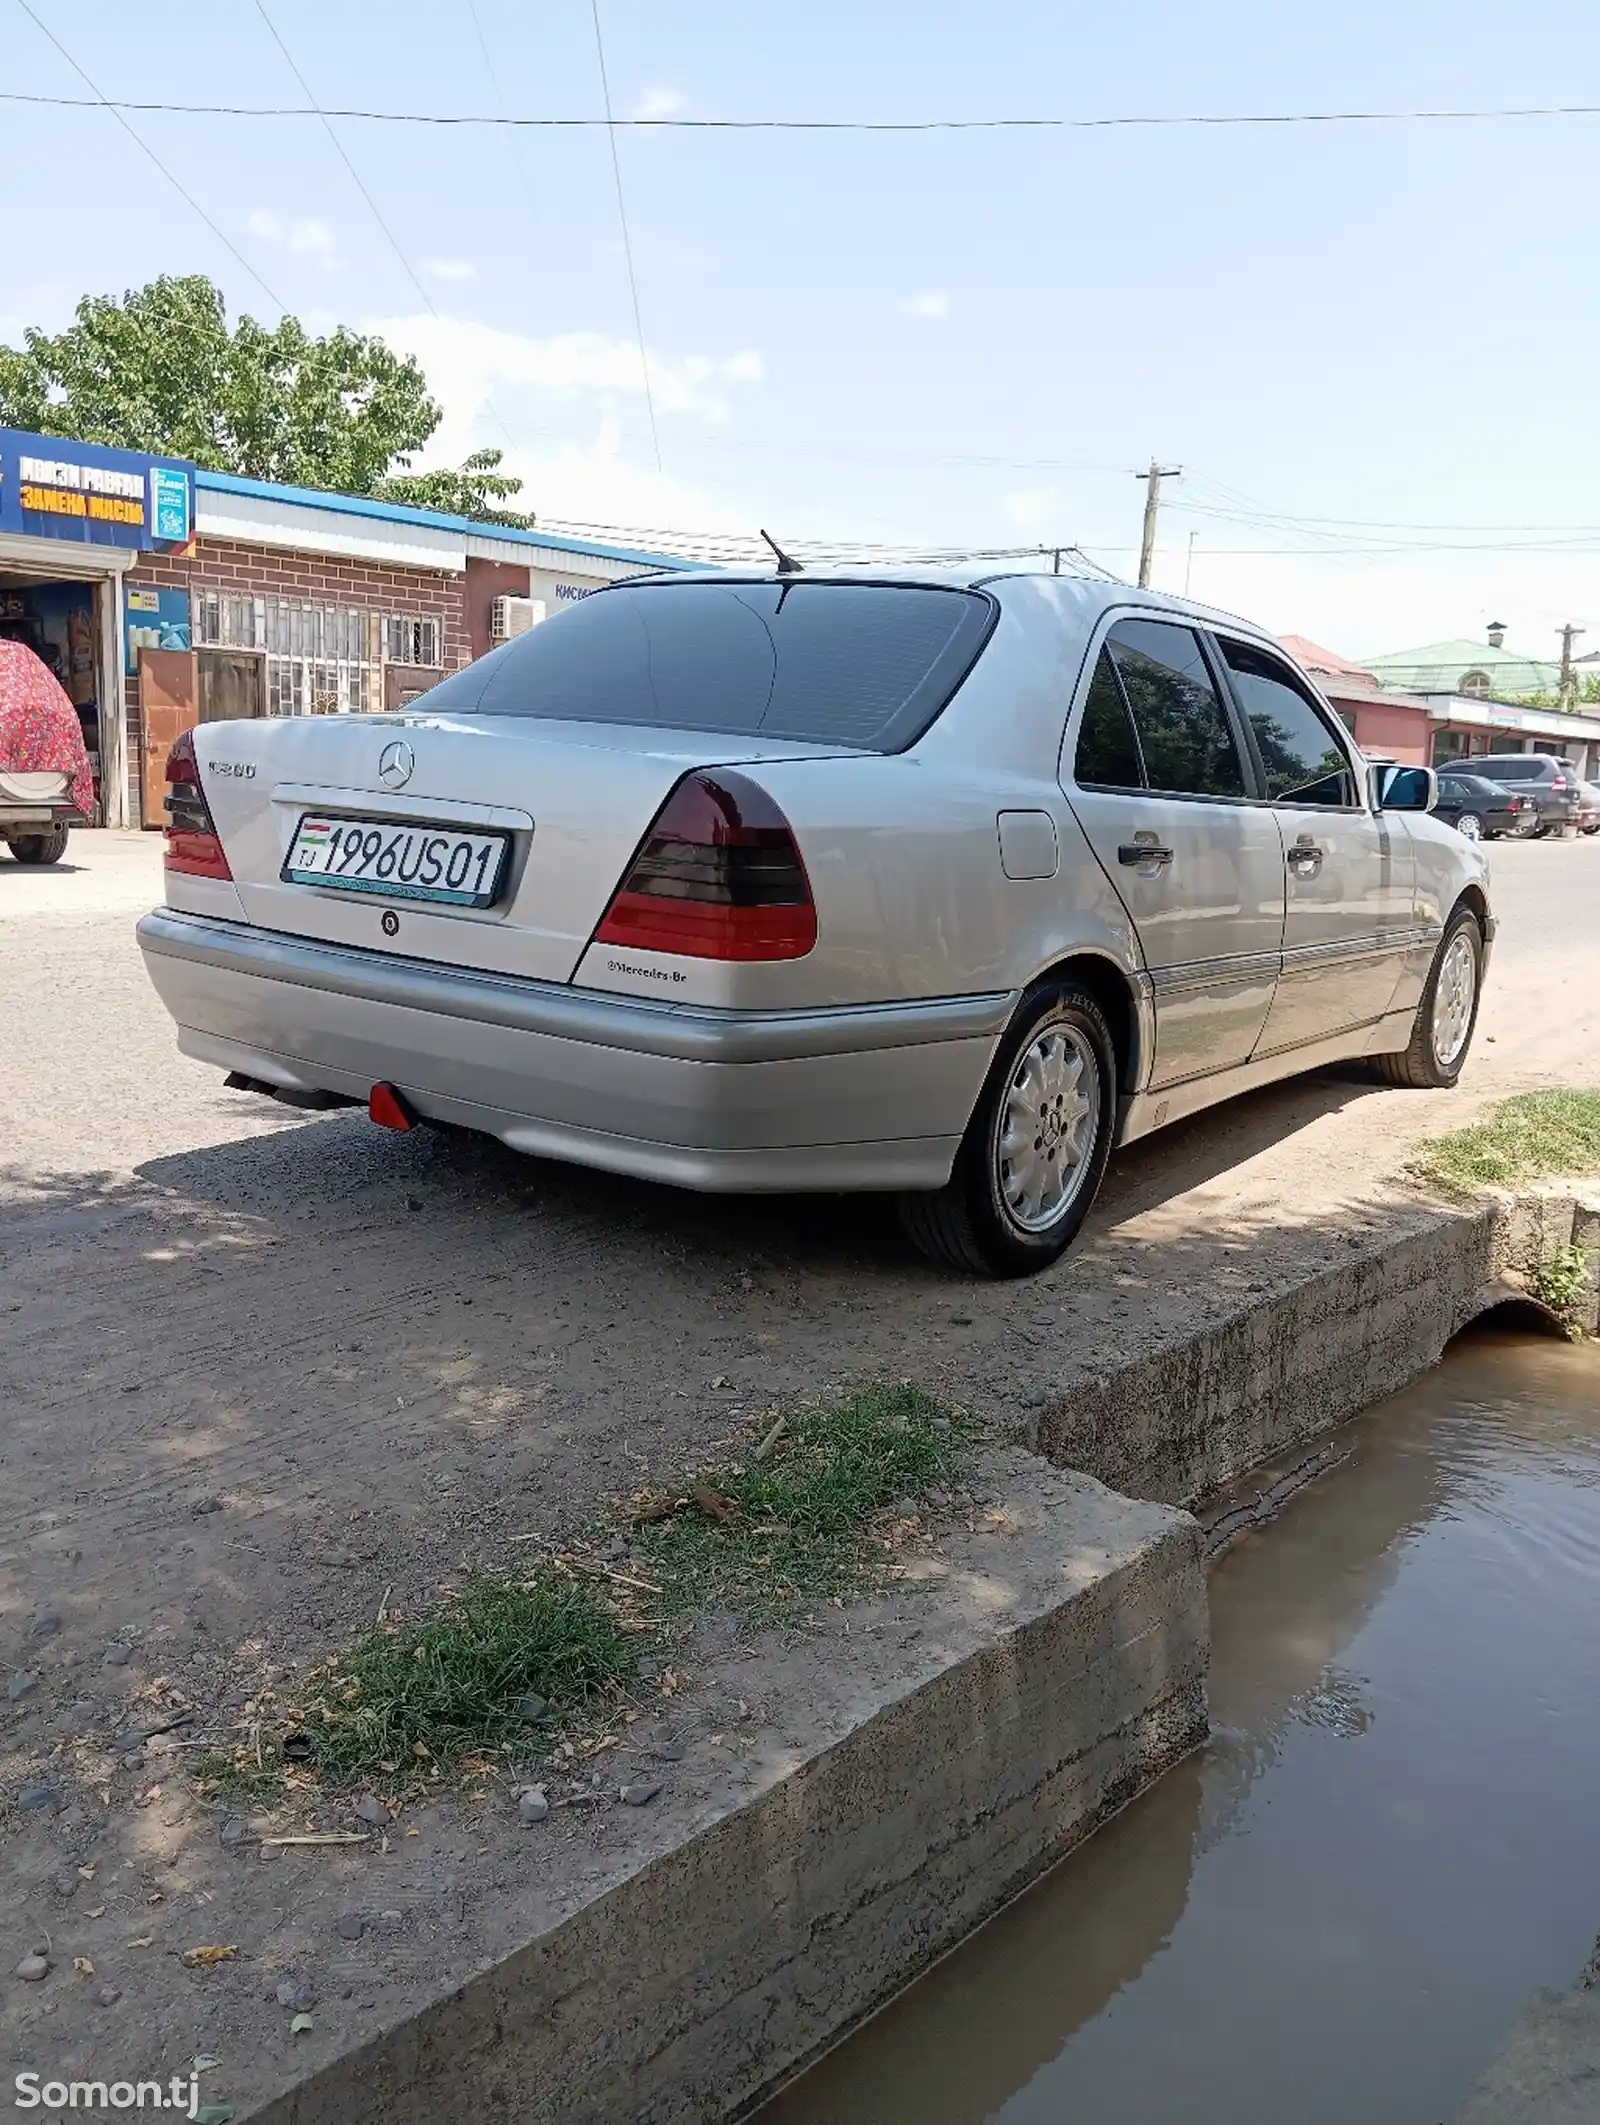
1350 871
1155 770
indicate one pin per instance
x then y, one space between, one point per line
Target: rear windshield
1521 767
852 664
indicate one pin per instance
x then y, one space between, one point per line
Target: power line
1109 122
338 148
102 102
622 216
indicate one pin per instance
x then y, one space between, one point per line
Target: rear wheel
1468 827
1031 1161
1447 1014
48 847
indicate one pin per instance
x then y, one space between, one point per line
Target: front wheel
1468 827
1447 1014
48 847
1036 1147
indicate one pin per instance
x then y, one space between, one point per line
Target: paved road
373 1352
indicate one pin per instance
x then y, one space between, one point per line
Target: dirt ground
262 1372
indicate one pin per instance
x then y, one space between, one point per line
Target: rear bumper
857 1097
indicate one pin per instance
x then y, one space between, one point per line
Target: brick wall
242 570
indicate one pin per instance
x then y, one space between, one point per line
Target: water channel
1337 1908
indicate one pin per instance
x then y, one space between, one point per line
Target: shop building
1431 727
164 595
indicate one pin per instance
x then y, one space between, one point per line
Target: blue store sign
83 492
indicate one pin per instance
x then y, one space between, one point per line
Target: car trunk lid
575 799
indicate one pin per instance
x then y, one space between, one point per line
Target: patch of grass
794 1527
799 1521
1530 1135
408 1698
1561 1279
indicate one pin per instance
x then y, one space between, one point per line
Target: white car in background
935 885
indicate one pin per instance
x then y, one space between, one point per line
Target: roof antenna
787 566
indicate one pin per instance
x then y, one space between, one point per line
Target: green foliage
796 1531
1561 1280
161 370
476 488
407 1696
1528 1135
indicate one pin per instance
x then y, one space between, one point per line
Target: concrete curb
1184 1421
944 1751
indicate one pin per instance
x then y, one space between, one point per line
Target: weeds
1560 1281
1527 1136
801 1520
768 1538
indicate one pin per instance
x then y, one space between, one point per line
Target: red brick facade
241 570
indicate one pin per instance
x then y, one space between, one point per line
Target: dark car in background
1551 784
1482 810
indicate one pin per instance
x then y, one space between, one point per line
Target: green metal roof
1440 667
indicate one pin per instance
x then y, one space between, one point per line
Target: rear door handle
1132 852
1305 852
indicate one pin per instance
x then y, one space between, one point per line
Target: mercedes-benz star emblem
395 763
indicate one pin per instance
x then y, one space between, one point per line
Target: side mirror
1404 789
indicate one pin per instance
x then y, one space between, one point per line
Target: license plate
400 862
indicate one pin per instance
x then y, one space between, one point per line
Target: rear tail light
192 844
1558 781
719 877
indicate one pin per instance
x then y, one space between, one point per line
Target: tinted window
866 665
1184 733
1108 752
1303 762
1522 767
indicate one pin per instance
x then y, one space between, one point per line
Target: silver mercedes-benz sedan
943 886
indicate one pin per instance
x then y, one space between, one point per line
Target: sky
1372 348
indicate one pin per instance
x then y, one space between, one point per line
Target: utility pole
1188 566
1152 505
1568 695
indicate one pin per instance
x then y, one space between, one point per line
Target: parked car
1480 810
45 778
1547 781
1589 817
938 885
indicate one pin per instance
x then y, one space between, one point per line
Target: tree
161 371
477 488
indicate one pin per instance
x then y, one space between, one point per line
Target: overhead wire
1020 123
355 176
627 243
103 102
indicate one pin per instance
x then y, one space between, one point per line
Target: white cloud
931 306
450 268
658 101
1031 507
301 239
468 364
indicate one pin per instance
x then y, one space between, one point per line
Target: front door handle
1304 851
1152 852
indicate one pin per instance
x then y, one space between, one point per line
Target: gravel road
262 1372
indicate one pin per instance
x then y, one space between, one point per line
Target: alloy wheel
1454 997
1047 1128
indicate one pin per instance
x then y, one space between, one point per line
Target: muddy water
1335 1911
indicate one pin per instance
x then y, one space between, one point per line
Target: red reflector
720 876
390 1109
192 843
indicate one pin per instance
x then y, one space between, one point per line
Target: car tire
1010 1209
1441 1037
1469 827
40 848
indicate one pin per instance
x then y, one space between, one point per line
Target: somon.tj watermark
178 2097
